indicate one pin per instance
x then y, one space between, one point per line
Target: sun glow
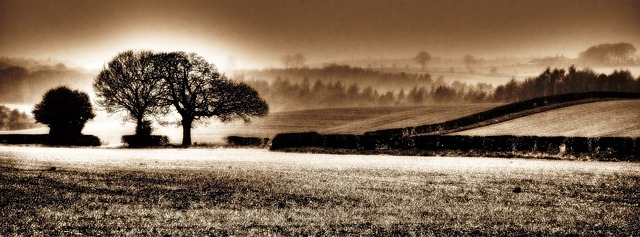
214 52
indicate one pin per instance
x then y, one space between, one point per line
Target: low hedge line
46 139
247 141
135 141
502 111
597 146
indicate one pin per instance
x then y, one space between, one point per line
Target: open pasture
255 192
414 117
618 118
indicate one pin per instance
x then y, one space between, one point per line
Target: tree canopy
130 82
65 111
422 58
13 119
607 54
468 61
197 90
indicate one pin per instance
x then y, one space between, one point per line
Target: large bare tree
130 82
197 90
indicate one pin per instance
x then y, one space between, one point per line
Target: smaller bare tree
469 61
423 59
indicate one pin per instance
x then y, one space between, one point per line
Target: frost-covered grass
255 192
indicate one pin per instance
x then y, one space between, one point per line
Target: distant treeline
560 81
345 86
344 74
307 95
13 119
21 85
342 86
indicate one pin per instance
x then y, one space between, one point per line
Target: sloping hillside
619 118
411 117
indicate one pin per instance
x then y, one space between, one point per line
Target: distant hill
411 117
619 118
506 113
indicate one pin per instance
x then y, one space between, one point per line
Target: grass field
413 117
619 118
255 192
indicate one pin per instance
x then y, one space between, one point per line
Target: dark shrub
246 141
145 141
65 111
341 141
289 140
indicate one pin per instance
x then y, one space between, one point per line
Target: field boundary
599 148
433 139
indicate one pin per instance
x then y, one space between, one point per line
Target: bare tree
469 61
287 61
197 90
299 60
293 61
130 83
423 59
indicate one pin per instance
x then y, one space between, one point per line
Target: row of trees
321 93
345 74
14 119
23 85
602 54
318 94
561 81
609 54
147 85
423 58
293 61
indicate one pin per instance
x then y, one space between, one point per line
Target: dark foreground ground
254 192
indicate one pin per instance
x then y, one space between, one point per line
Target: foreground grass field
255 192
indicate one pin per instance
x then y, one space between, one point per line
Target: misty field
256 192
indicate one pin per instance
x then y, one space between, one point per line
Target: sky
259 32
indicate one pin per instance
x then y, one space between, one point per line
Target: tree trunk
186 131
139 127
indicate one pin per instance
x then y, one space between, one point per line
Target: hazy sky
259 32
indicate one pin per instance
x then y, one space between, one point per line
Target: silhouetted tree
293 61
65 111
299 60
422 58
493 70
197 90
130 82
287 61
469 61
444 94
